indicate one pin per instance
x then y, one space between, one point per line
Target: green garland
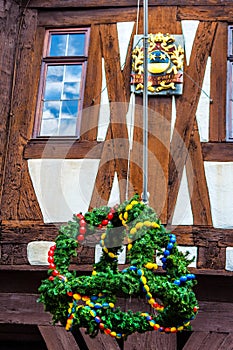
90 301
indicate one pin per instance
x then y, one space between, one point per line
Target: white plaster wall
183 212
219 178
124 30
203 108
63 186
189 28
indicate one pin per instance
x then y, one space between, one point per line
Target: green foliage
148 241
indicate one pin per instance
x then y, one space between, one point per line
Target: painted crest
165 64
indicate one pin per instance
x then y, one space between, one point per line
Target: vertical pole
145 103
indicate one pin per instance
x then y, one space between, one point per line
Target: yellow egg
139 225
133 231
128 207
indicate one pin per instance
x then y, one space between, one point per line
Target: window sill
62 148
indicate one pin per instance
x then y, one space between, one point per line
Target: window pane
51 110
58 45
69 109
76 44
53 91
49 127
53 85
67 127
73 72
71 91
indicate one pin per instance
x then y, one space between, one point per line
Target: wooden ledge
63 148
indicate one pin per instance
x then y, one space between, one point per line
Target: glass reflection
58 45
76 44
67 127
69 109
51 110
67 44
49 127
70 91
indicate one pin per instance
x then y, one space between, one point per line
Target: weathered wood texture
100 342
198 191
93 85
57 338
205 341
24 308
217 127
19 200
63 149
159 125
115 151
121 3
217 152
9 25
186 109
206 13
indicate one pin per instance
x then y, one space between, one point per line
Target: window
62 83
229 117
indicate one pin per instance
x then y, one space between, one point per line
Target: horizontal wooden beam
120 3
27 231
217 151
206 13
62 149
23 308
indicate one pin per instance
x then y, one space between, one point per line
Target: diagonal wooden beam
115 151
198 191
186 109
92 93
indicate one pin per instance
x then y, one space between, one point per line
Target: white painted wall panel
220 184
63 186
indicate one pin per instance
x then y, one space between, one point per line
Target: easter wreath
90 301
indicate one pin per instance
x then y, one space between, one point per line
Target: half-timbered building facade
71 139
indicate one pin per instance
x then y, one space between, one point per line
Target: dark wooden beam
218 84
198 235
197 184
186 107
121 3
57 338
206 13
217 151
62 149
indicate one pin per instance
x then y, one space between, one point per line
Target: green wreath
91 301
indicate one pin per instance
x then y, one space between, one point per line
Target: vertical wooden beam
217 128
93 84
198 191
161 19
57 338
19 199
9 13
186 109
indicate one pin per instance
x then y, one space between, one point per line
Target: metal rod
145 104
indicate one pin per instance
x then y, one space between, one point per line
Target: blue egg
183 279
133 268
170 246
166 252
177 282
173 239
